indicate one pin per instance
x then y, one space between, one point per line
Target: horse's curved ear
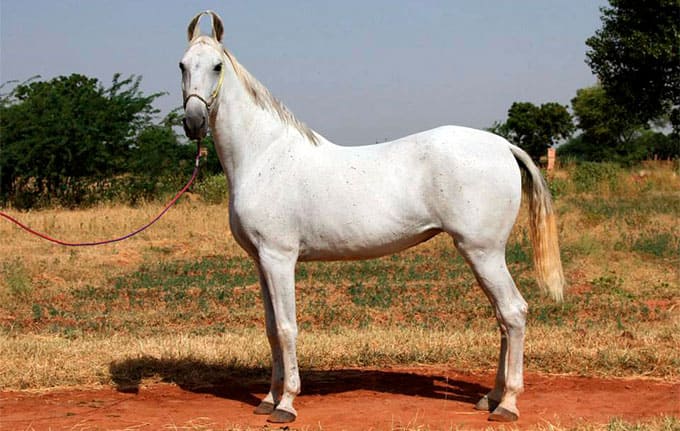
193 31
218 28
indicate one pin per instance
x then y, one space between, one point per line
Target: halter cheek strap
208 103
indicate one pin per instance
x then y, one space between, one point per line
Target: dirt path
387 399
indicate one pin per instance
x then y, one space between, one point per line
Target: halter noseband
208 103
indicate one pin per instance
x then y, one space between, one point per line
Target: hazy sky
356 71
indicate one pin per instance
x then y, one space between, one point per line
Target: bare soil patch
428 397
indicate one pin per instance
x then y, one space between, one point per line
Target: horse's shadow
242 383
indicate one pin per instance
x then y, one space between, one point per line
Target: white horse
295 196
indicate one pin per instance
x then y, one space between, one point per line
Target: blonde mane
264 99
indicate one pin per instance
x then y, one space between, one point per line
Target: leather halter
208 103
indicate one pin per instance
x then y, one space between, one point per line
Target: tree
610 133
69 127
157 151
636 56
608 130
536 128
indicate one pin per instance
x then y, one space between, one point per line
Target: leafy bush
213 189
558 187
72 142
70 127
588 176
646 145
658 145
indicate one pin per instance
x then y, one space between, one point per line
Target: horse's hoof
281 417
486 404
501 414
265 408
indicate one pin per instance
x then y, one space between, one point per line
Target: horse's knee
287 333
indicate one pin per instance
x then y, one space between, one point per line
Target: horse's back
458 143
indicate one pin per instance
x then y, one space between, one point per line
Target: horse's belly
353 242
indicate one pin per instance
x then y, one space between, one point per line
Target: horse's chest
254 221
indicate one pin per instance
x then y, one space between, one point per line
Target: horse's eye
181 67
218 67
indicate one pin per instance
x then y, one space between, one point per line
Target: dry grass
184 292
41 361
189 230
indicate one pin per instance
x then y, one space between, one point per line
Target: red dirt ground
350 399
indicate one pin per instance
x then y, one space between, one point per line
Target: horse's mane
264 99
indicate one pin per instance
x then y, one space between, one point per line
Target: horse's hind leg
490 401
489 267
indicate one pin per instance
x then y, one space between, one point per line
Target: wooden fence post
552 154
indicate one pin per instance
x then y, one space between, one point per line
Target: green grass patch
15 280
659 244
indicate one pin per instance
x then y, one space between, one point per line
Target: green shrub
589 176
213 189
87 192
558 187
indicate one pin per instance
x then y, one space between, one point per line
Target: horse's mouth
192 132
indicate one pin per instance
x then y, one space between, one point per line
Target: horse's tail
542 227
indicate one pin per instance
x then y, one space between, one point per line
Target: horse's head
203 66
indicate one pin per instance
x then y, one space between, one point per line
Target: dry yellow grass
39 361
190 230
601 266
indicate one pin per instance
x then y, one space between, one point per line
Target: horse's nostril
194 125
187 130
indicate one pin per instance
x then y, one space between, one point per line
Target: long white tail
542 228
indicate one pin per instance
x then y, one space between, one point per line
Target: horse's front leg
278 273
270 401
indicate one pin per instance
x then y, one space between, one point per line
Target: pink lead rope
109 241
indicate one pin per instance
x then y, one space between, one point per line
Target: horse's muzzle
194 131
195 121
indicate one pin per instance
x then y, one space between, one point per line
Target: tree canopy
536 128
70 127
607 130
57 132
636 57
624 118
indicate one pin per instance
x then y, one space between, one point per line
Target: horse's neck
243 132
